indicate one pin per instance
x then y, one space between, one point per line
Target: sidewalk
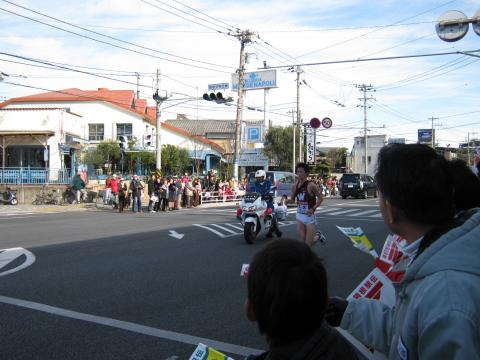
85 207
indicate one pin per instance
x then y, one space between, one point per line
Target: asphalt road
129 286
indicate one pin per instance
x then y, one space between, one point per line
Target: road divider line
365 212
210 229
224 228
129 326
342 212
238 227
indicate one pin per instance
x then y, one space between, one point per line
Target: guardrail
221 196
34 176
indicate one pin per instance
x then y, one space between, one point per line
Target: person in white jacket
437 310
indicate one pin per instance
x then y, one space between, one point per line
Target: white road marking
325 209
224 228
238 227
342 212
129 326
176 235
376 215
212 230
9 255
365 212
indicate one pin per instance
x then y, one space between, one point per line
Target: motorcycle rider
264 187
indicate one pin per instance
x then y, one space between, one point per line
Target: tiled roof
205 127
121 98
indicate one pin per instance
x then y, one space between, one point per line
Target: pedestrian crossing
226 230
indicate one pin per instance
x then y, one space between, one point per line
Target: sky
61 44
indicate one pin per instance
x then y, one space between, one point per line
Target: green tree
175 160
279 146
106 152
337 157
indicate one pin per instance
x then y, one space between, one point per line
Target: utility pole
433 131
158 140
294 130
364 88
299 115
138 85
244 37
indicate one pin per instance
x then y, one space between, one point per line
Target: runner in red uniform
308 198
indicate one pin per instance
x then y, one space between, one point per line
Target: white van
283 181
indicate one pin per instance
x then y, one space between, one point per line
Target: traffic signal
147 140
217 97
123 142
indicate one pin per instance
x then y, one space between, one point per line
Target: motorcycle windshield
251 197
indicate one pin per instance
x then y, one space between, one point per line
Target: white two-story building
48 130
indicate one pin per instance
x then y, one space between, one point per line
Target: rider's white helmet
260 174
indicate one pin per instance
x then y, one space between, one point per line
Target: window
125 130
96 132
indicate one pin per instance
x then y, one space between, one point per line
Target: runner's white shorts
306 219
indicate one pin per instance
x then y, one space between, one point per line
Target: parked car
283 181
357 185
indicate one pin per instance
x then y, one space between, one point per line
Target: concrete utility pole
244 37
299 115
138 85
293 131
433 131
364 88
158 141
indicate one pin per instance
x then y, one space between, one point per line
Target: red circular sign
315 123
327 122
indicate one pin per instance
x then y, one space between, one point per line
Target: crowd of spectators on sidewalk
160 194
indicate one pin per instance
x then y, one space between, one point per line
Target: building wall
110 115
356 160
57 121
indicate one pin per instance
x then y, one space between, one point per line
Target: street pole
244 37
365 126
299 115
364 88
294 131
433 132
138 85
158 139
468 148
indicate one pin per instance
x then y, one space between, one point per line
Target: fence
32 176
219 197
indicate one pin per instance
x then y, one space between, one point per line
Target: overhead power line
376 59
115 45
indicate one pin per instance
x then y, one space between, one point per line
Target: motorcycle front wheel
14 201
249 233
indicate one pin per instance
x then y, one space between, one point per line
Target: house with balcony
48 131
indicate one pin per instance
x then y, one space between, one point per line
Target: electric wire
115 45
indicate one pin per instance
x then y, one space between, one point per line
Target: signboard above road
252 157
424 136
265 79
216 87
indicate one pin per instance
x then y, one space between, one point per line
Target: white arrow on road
9 255
176 235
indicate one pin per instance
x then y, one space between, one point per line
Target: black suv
357 185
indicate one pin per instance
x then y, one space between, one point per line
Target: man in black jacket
287 297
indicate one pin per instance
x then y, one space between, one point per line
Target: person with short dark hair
467 186
309 198
437 312
287 297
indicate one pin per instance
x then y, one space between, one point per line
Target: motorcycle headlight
252 208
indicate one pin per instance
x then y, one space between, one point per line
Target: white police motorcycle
256 218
